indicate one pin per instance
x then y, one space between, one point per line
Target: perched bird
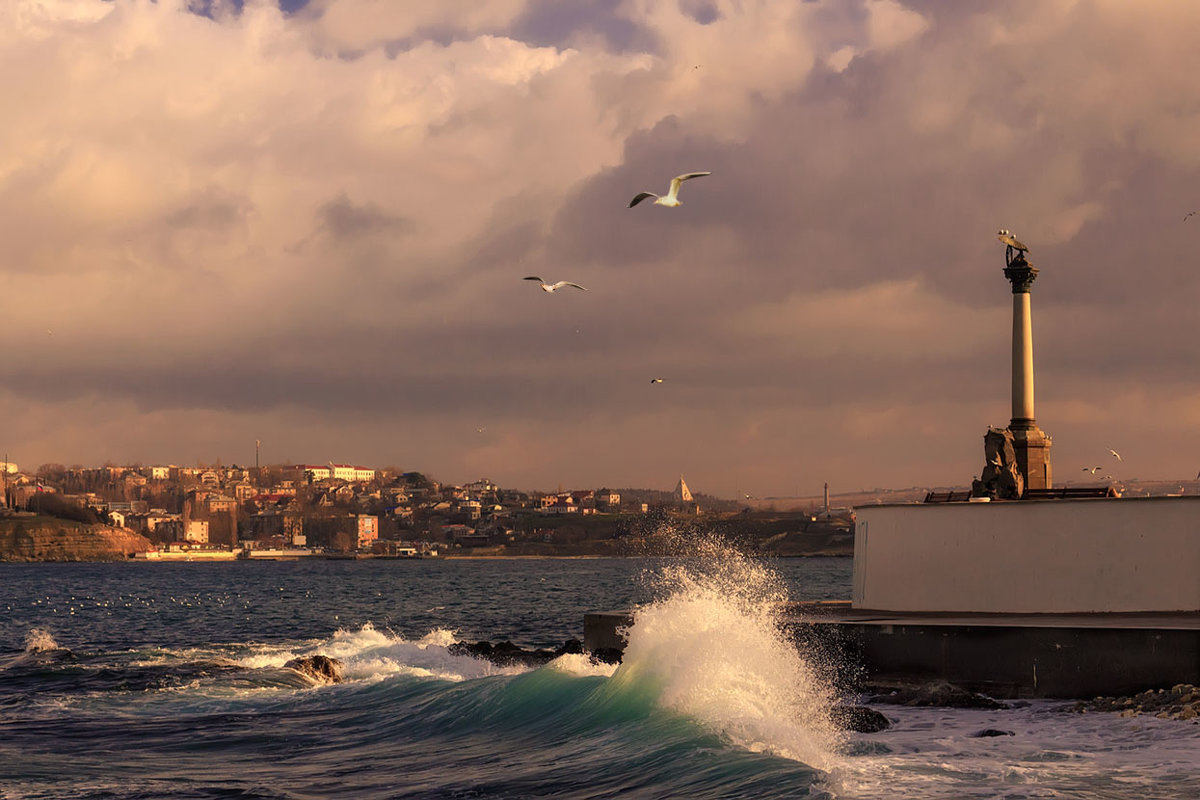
1115 454
1005 236
671 200
656 380
553 287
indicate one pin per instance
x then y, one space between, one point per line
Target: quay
1001 655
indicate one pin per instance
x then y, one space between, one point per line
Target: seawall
1004 655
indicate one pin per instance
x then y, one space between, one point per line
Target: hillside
39 538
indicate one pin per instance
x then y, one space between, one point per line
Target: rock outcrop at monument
1001 478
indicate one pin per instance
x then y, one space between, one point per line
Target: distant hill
40 538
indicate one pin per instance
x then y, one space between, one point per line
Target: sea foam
712 648
39 640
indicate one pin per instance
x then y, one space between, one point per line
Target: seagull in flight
656 380
1185 216
1092 470
671 200
1115 454
553 287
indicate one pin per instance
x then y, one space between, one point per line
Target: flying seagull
1005 236
1092 470
1185 216
1115 454
671 200
656 380
553 287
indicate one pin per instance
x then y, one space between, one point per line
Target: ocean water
145 680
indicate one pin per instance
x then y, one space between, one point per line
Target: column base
1032 448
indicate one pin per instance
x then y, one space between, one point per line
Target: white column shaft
1022 358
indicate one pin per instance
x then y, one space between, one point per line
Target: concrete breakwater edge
1010 656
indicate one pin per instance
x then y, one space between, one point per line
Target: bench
1071 493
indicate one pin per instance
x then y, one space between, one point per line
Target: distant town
346 510
349 511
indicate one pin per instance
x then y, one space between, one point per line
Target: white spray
712 648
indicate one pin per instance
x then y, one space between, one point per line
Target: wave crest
713 648
40 640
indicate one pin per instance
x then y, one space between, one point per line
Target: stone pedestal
1032 448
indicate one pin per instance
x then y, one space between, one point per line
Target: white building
196 531
314 472
348 472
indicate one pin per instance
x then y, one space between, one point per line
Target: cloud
316 221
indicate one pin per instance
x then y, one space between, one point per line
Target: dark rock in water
938 694
607 655
986 732
1181 702
859 719
505 653
320 668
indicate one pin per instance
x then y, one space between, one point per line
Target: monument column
1032 446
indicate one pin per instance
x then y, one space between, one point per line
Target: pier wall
1052 556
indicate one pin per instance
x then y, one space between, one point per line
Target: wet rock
859 719
939 694
1180 702
505 653
986 732
322 669
606 655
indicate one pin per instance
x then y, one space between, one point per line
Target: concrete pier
1002 655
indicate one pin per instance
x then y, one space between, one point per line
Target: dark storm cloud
344 219
833 288
210 213
548 22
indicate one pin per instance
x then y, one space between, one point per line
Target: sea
167 680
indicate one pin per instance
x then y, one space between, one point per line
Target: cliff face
50 539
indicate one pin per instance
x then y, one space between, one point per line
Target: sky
308 225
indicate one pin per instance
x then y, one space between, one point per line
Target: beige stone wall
1115 555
